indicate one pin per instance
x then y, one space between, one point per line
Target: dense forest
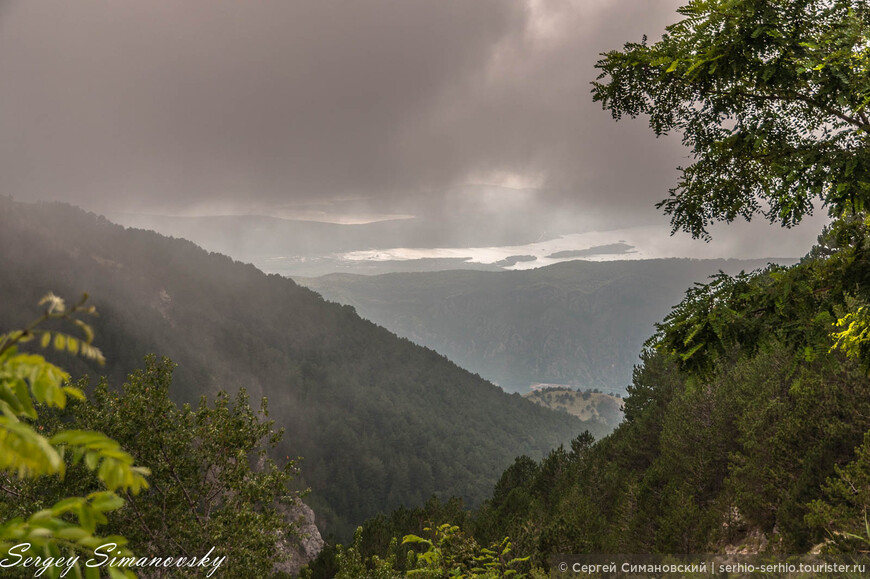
579 323
379 421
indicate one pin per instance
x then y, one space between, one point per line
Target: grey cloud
176 104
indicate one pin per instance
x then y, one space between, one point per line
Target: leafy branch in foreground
56 309
448 553
854 335
26 381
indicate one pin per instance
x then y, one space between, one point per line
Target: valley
578 323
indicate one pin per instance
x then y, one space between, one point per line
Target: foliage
771 97
798 305
843 510
447 553
450 552
213 485
854 337
764 399
709 322
351 565
381 535
62 530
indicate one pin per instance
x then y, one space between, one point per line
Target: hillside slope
585 405
379 421
747 427
578 323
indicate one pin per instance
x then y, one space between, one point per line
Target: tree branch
860 122
190 501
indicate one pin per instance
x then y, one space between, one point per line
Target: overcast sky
214 106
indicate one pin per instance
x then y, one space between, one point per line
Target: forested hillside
379 421
746 429
579 323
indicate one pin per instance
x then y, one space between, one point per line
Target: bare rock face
301 546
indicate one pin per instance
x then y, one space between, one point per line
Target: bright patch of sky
745 241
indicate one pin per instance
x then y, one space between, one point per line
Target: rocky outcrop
302 544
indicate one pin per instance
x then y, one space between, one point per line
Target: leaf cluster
28 381
446 551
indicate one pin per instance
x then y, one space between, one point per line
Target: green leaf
71 534
74 392
92 460
107 501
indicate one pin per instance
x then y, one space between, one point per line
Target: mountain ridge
380 422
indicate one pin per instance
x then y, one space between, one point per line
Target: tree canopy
771 97
213 485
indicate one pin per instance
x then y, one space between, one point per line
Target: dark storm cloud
168 104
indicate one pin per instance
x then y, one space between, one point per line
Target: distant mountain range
579 323
380 422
